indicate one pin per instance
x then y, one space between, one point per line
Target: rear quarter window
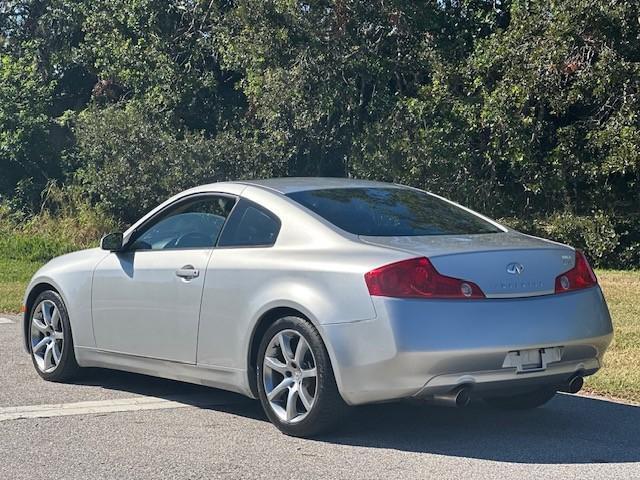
250 225
391 212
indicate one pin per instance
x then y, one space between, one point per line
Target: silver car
316 294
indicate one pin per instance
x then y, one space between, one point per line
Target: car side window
190 224
250 226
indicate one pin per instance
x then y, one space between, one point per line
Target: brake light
580 276
417 278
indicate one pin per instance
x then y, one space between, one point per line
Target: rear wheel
296 384
50 341
524 401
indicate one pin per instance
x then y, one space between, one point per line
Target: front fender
71 276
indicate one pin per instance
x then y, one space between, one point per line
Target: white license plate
533 360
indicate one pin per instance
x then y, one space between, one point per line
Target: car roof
297 184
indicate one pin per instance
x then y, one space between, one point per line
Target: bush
33 248
64 224
596 235
608 241
629 249
129 160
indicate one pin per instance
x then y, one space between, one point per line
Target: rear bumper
423 347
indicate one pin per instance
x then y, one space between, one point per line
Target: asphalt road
173 430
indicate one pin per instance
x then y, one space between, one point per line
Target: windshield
391 212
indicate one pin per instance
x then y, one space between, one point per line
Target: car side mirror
111 242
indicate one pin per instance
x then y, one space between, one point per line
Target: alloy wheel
290 376
47 336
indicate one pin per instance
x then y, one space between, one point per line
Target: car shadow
187 393
568 430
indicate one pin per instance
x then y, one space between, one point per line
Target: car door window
191 224
250 226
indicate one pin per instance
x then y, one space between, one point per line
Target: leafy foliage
515 108
607 240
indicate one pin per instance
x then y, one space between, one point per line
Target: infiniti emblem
515 268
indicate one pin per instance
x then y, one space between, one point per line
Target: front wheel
50 341
296 384
523 401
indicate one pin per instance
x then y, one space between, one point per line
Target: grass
14 276
20 256
619 377
27 241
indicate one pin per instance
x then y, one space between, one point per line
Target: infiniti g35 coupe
316 294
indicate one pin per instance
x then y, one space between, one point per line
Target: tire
315 404
524 401
54 359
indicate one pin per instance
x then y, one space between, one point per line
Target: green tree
30 141
514 107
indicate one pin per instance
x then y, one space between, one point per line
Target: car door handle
187 272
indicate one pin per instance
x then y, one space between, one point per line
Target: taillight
417 278
580 276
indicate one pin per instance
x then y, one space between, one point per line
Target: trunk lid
503 265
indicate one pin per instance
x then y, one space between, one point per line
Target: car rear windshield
391 212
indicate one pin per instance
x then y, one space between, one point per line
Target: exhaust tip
459 397
575 384
462 398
